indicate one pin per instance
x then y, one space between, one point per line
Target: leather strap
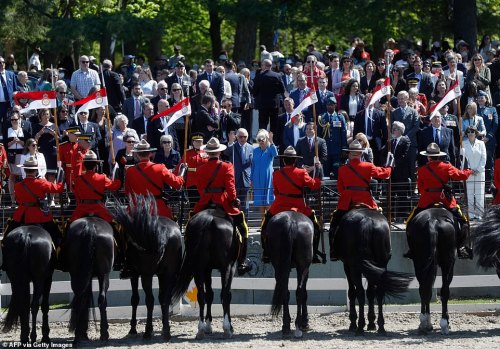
289 180
147 178
436 176
208 190
31 193
349 166
357 188
101 195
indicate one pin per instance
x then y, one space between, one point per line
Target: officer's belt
295 196
191 169
90 201
67 165
357 188
434 190
214 190
30 204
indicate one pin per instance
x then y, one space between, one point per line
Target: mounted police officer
433 186
31 194
353 186
288 185
217 186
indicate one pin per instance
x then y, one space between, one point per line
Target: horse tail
20 299
394 283
282 271
83 296
486 239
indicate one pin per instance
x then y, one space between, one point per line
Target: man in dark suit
215 79
400 176
299 94
436 133
155 129
140 125
114 87
180 77
229 120
203 121
323 96
283 120
89 128
409 117
333 63
425 84
8 84
240 154
306 147
287 77
268 90
162 94
133 106
372 123
235 80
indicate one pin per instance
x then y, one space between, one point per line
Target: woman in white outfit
475 153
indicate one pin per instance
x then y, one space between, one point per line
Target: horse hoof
298 333
360 332
208 328
353 328
167 336
200 335
371 327
228 334
445 328
147 335
46 340
382 332
104 337
286 331
305 328
132 332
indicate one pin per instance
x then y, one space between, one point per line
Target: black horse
30 257
431 237
290 240
486 238
209 244
154 247
363 243
89 252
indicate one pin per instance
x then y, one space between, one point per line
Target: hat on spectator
129 57
92 58
177 48
74 130
354 147
432 150
482 93
290 153
222 58
331 100
412 81
213 146
143 147
179 64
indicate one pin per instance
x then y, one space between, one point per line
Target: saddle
356 206
220 213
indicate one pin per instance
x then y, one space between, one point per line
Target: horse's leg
134 301
102 302
370 294
209 299
302 320
166 282
351 293
227 279
147 286
35 304
380 303
200 285
45 308
447 271
425 290
360 295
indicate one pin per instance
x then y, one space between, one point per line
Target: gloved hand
390 160
183 169
236 203
317 163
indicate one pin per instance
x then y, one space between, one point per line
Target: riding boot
462 231
334 223
119 236
244 265
263 237
318 257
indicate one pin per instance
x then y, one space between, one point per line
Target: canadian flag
381 91
308 100
177 110
453 93
37 100
95 100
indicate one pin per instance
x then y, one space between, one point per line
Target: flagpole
186 129
462 165
58 157
110 130
389 135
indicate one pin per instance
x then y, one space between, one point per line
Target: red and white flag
95 100
453 93
381 91
177 110
37 100
308 100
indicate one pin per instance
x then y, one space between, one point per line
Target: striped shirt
84 81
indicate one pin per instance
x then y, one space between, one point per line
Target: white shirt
296 135
353 105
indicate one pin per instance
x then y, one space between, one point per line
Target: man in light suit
134 105
409 117
215 79
240 154
372 123
300 93
8 84
306 147
89 128
436 133
287 78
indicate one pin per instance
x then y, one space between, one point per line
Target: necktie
4 88
210 78
84 128
310 144
394 143
302 92
369 124
436 136
137 108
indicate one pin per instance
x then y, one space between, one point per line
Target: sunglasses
85 62
261 140
14 119
64 111
163 88
477 59
379 64
471 132
166 142
131 142
242 136
62 92
33 145
176 89
310 62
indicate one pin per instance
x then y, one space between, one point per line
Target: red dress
136 183
496 181
426 181
222 185
29 211
4 167
349 184
194 159
89 197
284 190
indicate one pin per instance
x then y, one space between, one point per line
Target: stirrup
244 267
464 252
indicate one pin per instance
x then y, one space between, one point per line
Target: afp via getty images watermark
14 344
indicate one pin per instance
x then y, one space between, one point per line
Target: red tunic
496 181
26 213
136 183
194 159
224 181
98 183
4 167
283 187
347 179
426 181
66 153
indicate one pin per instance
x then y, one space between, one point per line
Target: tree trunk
215 24
379 28
465 22
105 46
155 44
266 33
245 38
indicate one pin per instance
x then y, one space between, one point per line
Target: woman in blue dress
262 170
